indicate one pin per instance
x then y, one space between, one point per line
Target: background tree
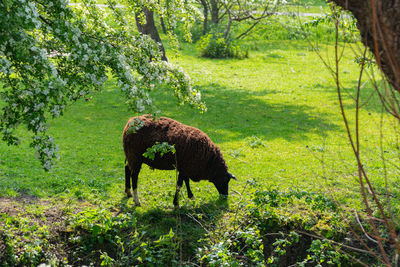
379 29
213 8
146 25
206 8
251 12
378 22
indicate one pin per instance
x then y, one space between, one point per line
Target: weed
255 142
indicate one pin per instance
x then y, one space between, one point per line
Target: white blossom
84 65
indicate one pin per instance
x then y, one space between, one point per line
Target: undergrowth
214 45
274 228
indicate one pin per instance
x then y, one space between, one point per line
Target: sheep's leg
178 188
128 181
190 194
135 175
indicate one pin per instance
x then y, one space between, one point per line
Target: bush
197 31
281 228
214 45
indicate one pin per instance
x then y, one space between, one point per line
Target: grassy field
281 98
274 115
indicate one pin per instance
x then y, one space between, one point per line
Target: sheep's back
195 152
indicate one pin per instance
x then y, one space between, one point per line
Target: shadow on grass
234 114
258 46
190 224
369 99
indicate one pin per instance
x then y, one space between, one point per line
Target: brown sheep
196 156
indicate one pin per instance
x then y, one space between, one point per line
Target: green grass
282 94
317 6
274 115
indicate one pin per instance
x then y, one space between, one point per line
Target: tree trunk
164 29
214 11
379 25
228 28
205 13
149 28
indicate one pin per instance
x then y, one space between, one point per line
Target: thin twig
333 242
194 219
362 228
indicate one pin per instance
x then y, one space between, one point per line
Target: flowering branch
52 54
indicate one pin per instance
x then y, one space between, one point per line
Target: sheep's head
222 183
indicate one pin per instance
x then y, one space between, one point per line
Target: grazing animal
196 156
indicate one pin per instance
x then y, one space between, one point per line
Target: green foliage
248 98
25 240
254 142
218 255
134 126
281 244
214 45
368 62
323 252
319 251
318 28
159 148
274 198
311 212
118 239
197 31
52 54
270 232
238 248
296 210
347 24
100 225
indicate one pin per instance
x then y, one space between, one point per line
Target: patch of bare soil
41 211
50 212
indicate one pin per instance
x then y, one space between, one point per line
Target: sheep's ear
232 176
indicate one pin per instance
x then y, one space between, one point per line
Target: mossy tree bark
149 28
204 3
214 11
379 25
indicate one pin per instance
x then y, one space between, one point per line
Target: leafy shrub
118 240
296 209
240 247
197 31
214 45
293 212
271 227
24 241
279 228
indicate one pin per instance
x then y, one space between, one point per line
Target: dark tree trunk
228 28
164 29
381 19
149 28
205 13
214 11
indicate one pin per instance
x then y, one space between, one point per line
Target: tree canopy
53 53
